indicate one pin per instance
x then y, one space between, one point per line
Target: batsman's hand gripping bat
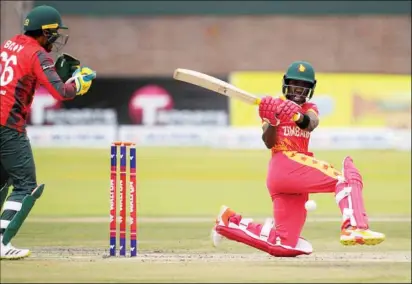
218 86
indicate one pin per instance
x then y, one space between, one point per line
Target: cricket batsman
25 65
294 173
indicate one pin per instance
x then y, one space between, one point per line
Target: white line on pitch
396 219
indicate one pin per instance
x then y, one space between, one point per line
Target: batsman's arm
44 69
269 135
308 121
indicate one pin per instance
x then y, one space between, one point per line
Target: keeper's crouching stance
293 174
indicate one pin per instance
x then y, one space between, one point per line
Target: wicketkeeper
294 173
26 64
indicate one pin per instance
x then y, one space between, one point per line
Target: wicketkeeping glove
65 66
83 77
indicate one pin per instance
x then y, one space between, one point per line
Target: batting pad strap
266 229
244 223
340 179
4 224
12 205
345 192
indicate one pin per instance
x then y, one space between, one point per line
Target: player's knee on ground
290 216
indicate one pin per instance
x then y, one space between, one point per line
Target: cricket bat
218 86
215 85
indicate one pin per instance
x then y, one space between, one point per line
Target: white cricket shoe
216 238
9 252
222 220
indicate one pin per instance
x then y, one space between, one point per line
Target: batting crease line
192 219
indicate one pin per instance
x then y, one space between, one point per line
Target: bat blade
215 85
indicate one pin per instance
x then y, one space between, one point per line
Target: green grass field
180 192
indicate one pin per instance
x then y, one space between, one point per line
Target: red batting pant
291 177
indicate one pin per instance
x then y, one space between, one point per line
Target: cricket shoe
352 236
221 220
9 252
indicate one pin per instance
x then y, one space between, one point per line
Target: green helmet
299 71
48 21
43 18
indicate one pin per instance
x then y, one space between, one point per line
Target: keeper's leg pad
23 211
349 196
263 238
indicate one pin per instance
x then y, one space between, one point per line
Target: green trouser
17 169
5 183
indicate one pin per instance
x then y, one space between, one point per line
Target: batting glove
268 108
287 110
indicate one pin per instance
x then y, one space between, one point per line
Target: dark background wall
146 46
348 36
224 8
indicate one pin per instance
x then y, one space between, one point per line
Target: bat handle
296 116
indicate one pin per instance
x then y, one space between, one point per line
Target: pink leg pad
349 197
262 237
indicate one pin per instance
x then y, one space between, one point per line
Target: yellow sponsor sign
369 100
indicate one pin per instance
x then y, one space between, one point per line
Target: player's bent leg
14 215
18 211
291 172
17 160
263 237
355 227
290 215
